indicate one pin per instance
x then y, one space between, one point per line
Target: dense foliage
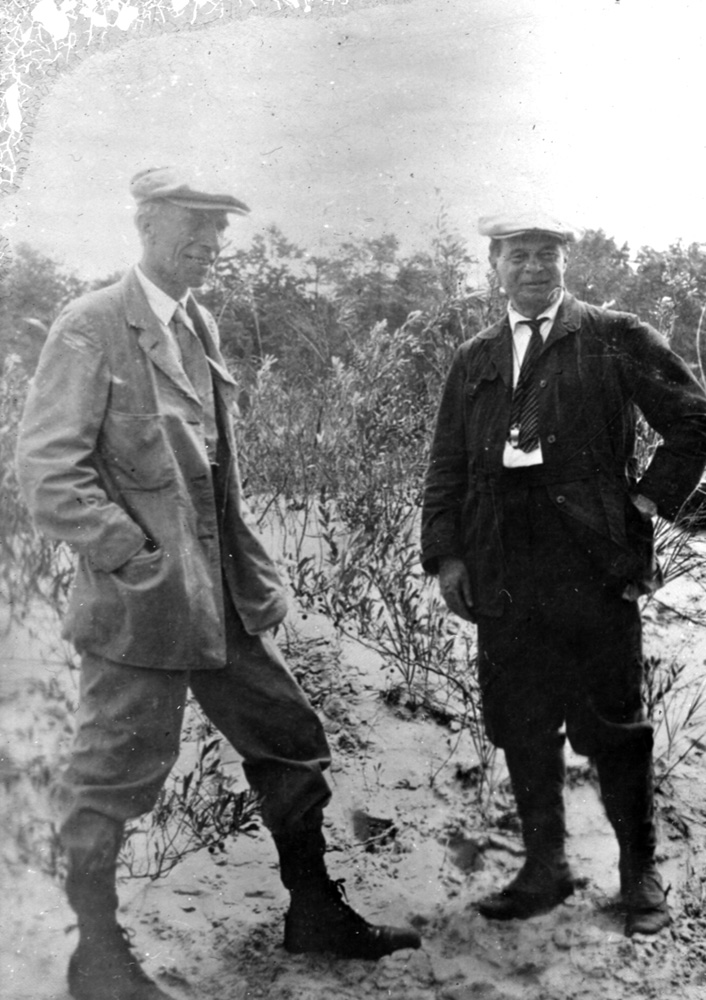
340 361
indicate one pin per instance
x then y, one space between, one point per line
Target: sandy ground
406 833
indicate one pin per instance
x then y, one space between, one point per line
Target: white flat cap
172 184
504 227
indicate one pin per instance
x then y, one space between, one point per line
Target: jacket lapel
151 337
499 336
207 330
568 319
498 346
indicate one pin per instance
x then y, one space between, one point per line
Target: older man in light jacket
126 452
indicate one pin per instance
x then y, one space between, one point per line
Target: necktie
193 359
193 356
525 405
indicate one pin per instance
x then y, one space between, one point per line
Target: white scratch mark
127 15
51 18
14 115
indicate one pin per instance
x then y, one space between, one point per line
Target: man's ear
145 224
146 229
494 251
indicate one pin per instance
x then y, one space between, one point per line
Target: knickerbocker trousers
129 723
567 648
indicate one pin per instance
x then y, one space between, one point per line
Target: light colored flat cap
504 227
172 184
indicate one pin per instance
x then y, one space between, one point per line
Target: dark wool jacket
597 369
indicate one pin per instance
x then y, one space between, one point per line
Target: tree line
274 300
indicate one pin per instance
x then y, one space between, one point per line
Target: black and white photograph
352 500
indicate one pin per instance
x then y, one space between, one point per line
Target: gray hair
149 210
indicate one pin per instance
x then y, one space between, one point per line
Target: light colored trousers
129 723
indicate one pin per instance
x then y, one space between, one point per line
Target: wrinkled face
531 270
180 245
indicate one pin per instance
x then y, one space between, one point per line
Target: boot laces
127 935
340 899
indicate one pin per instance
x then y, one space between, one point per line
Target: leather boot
103 967
626 781
643 895
319 919
545 879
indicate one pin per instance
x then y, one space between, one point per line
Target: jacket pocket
148 614
477 382
135 450
581 500
140 569
486 413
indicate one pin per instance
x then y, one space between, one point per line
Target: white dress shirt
163 306
514 458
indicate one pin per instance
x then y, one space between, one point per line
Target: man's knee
91 842
510 724
591 733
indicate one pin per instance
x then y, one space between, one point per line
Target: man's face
531 270
180 245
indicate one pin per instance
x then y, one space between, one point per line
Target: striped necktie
525 404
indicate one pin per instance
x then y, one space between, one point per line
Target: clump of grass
198 810
676 705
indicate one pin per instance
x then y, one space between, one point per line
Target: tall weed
31 567
199 809
676 704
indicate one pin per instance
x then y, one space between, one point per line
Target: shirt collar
516 317
161 304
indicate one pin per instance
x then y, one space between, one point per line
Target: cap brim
210 203
567 237
508 226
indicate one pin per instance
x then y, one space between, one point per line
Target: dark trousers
567 648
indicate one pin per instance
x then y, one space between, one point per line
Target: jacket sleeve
57 440
446 484
674 404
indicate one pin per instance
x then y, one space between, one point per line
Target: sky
369 119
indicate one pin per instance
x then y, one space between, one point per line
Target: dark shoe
537 888
646 903
103 967
319 919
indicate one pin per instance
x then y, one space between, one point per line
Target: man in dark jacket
127 453
539 525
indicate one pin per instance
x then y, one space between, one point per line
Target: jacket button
551 438
542 383
561 499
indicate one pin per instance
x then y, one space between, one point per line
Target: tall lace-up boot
103 966
319 918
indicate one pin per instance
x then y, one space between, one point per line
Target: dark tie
525 406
